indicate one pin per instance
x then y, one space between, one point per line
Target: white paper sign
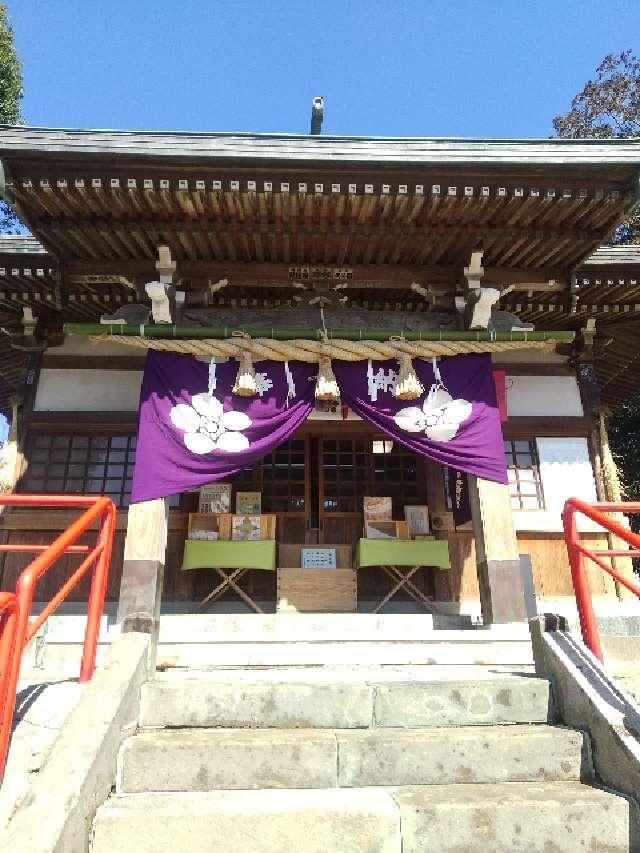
565 470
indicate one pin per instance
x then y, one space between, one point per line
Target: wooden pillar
143 570
502 595
613 493
12 463
605 470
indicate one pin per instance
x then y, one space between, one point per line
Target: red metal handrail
15 630
8 652
577 552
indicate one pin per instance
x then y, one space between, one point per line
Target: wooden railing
577 552
15 609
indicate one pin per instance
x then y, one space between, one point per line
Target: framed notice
377 509
248 503
245 528
418 519
318 558
216 497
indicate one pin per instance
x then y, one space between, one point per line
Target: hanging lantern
245 385
408 386
327 385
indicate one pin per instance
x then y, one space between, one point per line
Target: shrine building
318 373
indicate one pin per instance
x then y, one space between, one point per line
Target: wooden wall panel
551 572
291 527
341 529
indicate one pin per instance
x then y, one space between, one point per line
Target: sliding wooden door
344 475
350 468
283 479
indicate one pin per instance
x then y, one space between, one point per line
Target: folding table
231 560
401 559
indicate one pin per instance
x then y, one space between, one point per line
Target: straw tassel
408 386
327 385
245 385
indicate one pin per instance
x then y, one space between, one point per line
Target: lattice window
83 465
283 478
400 473
345 472
523 469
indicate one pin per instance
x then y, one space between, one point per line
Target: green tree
608 108
10 96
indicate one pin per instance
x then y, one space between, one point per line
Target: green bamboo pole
286 334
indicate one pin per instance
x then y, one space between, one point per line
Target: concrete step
620 649
231 759
284 627
628 678
326 702
503 818
436 648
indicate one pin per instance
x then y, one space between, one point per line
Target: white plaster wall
566 472
553 396
62 390
81 345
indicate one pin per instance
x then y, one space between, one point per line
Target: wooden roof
94 195
198 148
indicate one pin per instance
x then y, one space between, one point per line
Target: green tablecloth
222 554
403 552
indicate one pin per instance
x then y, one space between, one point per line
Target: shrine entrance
315 484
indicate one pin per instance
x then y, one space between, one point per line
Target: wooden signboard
377 509
417 518
245 528
251 527
216 497
248 503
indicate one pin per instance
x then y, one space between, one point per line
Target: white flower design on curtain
207 427
439 418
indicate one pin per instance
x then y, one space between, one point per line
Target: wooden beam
282 274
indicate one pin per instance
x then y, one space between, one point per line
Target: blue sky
456 68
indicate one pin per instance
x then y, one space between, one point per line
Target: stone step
230 759
325 702
306 627
628 679
620 649
433 650
502 818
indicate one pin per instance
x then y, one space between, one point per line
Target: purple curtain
192 430
456 421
